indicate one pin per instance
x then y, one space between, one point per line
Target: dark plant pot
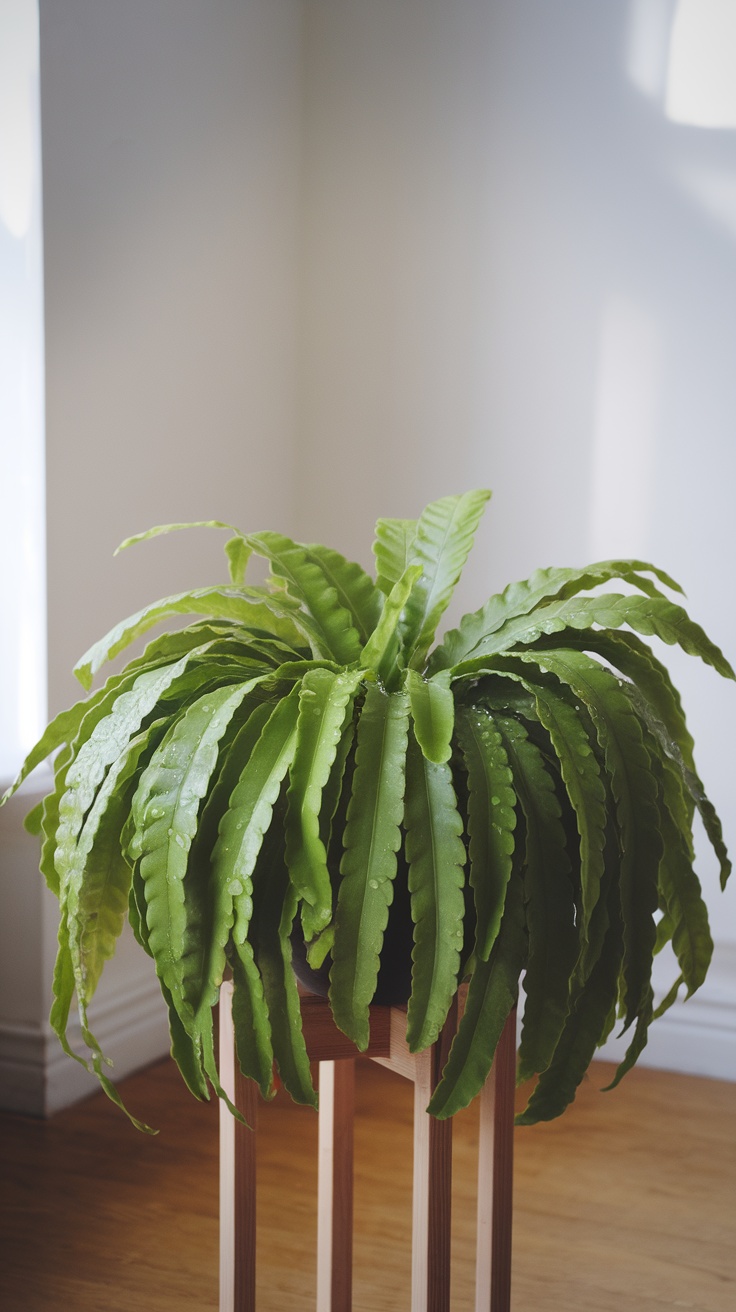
394 976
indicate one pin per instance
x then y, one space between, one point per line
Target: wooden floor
627 1202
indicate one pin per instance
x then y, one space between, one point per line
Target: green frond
433 715
491 821
543 588
550 907
368 867
309 581
436 856
492 993
444 537
393 550
323 700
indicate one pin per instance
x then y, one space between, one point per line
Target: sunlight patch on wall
626 418
701 78
22 502
647 45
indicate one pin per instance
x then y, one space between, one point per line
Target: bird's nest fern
283 756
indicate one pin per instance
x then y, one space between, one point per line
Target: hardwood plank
628 1201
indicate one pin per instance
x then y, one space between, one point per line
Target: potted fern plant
300 764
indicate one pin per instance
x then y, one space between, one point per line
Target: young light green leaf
173 528
393 550
381 652
436 857
238 554
491 821
323 701
445 533
372 839
433 715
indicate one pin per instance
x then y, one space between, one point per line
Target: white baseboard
697 1037
37 1078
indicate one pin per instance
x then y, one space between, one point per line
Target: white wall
171 139
520 274
171 175
505 267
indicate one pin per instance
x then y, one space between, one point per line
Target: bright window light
701 79
22 503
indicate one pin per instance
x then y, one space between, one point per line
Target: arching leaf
308 582
98 882
250 1021
493 991
355 590
106 742
578 766
491 821
647 615
550 907
372 839
627 653
436 856
160 529
544 587
165 808
186 1049
254 609
267 744
681 894
670 751
634 789
323 701
274 911
583 1032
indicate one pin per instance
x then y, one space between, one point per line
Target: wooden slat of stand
432 1166
335 1186
237 1178
496 1178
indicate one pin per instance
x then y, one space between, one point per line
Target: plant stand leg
496 1178
335 1186
432 1207
237 1178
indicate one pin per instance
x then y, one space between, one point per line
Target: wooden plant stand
432 1166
